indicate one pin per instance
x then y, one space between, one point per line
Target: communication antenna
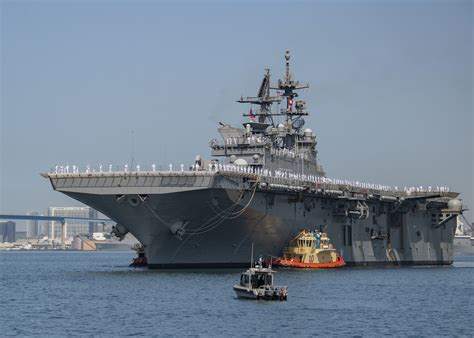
133 150
251 257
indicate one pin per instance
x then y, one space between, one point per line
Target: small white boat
257 283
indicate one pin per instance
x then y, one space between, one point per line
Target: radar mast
263 99
288 85
287 88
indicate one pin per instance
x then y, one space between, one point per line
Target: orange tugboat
310 250
141 260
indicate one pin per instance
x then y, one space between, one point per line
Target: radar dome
241 161
455 205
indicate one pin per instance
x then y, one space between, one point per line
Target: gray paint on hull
269 222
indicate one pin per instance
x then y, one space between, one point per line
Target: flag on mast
252 116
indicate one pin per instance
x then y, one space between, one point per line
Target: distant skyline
390 97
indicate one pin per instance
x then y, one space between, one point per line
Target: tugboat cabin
310 249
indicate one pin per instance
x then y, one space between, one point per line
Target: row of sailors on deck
288 153
215 167
319 179
257 140
247 140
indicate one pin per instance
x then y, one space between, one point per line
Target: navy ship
262 184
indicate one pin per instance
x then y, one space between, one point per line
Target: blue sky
390 91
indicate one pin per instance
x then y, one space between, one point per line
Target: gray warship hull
210 219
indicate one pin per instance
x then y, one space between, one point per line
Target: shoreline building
73 228
33 229
7 232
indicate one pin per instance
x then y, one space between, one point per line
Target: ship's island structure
263 185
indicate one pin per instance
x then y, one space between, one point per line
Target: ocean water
96 293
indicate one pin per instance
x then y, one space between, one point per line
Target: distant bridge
61 219
55 218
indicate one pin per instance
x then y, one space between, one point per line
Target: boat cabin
311 240
257 283
255 278
312 247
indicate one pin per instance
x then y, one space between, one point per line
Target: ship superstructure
262 185
264 143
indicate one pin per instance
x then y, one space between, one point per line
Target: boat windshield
244 280
261 279
309 243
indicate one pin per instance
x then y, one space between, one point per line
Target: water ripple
78 293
